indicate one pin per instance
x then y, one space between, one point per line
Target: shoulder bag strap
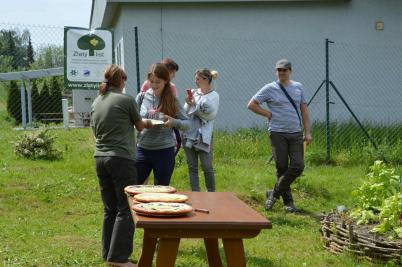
290 100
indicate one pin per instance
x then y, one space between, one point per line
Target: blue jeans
192 156
287 150
161 161
114 174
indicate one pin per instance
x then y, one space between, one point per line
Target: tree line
17 53
46 95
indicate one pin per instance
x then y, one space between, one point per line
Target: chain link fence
363 92
363 96
25 48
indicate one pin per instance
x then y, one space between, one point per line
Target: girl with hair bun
202 107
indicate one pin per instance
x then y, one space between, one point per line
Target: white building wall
244 40
98 11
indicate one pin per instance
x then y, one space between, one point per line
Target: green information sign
86 54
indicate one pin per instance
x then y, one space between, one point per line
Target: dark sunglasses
124 78
282 70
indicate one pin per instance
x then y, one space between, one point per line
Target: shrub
37 146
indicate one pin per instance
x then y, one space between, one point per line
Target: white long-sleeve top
202 115
158 137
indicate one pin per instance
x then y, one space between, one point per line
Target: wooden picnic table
229 219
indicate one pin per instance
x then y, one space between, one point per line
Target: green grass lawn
51 211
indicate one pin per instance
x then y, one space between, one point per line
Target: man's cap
283 64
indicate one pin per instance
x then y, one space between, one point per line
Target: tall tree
13 48
14 101
55 95
50 56
10 49
30 53
5 63
5 60
44 100
26 44
36 105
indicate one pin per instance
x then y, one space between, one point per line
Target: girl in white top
202 107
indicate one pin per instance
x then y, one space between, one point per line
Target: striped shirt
284 117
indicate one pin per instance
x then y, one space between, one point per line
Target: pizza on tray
162 209
138 189
160 197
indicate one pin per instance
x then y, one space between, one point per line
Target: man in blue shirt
287 112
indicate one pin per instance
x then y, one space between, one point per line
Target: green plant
37 146
390 217
379 200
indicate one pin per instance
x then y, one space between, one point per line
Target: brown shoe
121 264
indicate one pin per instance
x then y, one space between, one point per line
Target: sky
46 12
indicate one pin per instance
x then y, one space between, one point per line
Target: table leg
211 246
167 252
148 250
234 251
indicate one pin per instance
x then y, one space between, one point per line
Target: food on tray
138 189
162 209
160 197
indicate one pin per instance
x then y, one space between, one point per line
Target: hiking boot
269 203
270 200
269 193
291 208
287 197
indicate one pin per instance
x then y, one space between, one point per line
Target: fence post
327 102
23 107
137 60
327 135
29 96
66 120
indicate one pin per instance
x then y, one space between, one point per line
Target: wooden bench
48 117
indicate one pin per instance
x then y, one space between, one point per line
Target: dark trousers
161 161
287 150
114 174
